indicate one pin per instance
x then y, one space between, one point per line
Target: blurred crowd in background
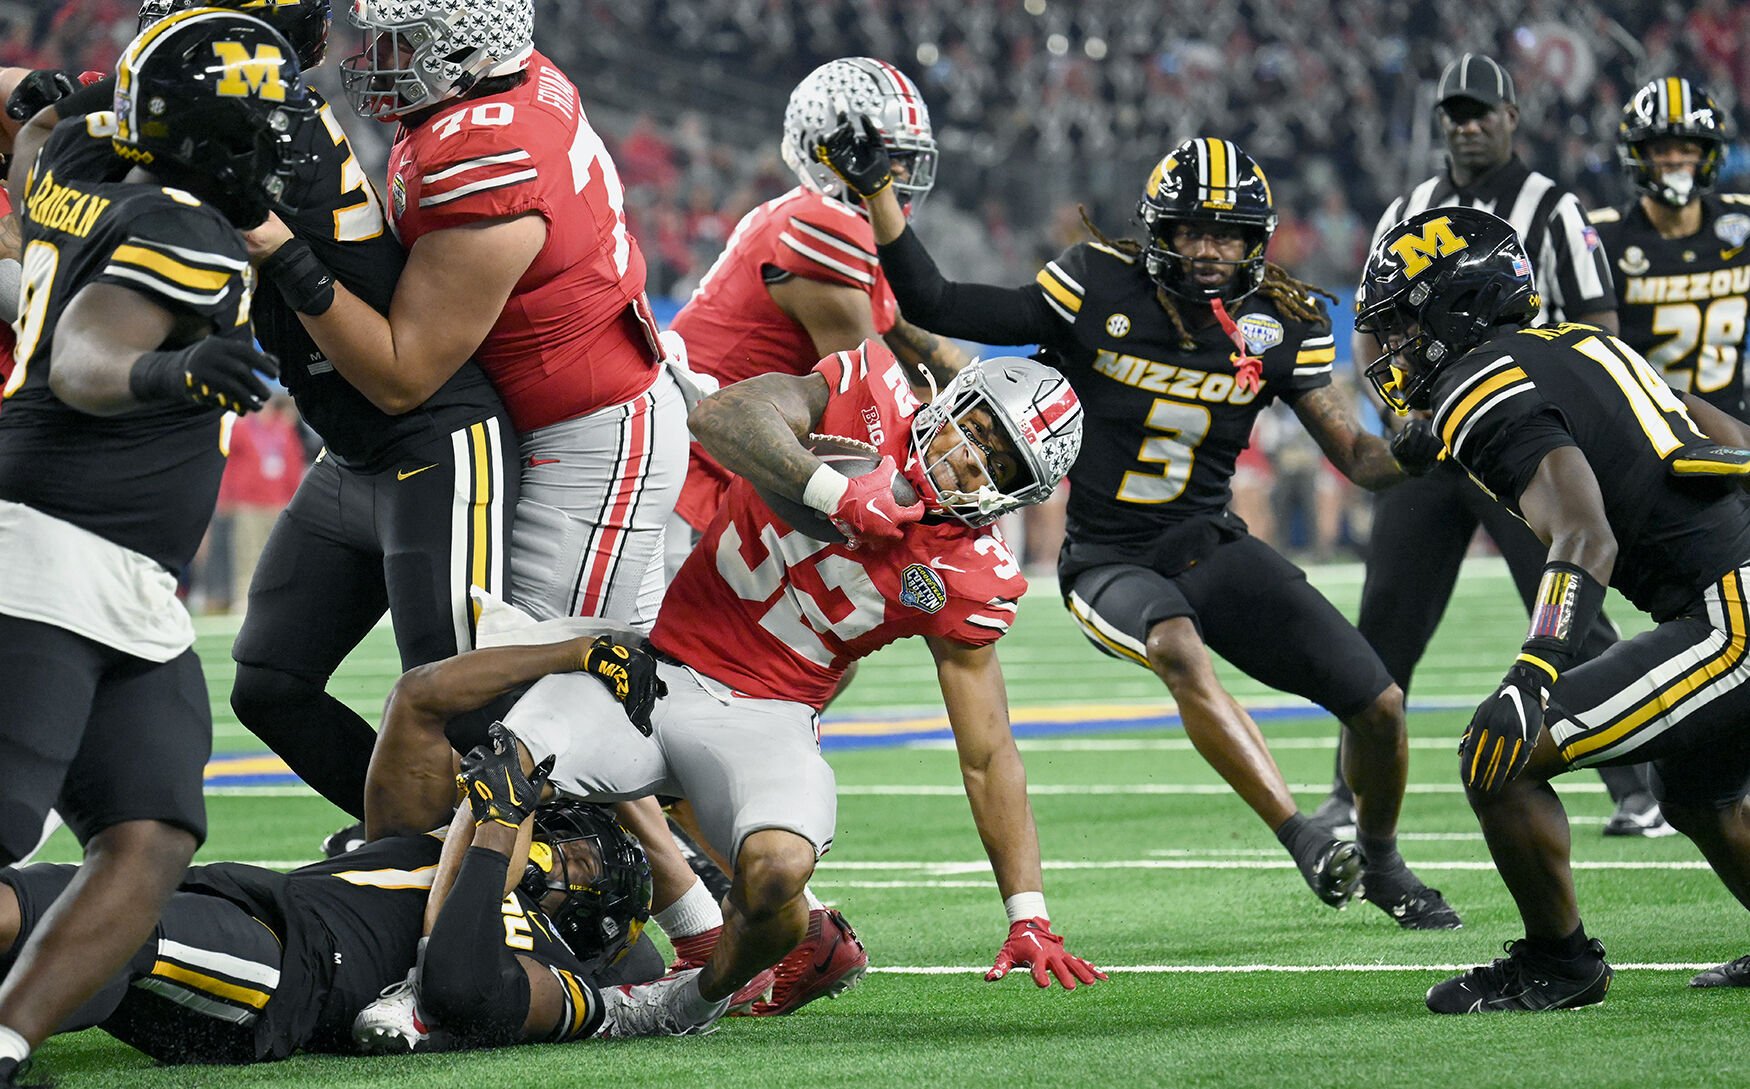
1041 106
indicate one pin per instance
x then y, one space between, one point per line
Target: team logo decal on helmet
1435 286
581 851
211 101
1206 180
862 88
304 23
1671 109
1038 414
420 53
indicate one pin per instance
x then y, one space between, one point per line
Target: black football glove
1416 447
630 676
215 371
493 780
37 91
1503 731
859 157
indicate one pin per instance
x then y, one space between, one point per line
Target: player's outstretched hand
630 676
855 153
1503 731
219 372
38 91
867 510
1417 447
492 777
1031 944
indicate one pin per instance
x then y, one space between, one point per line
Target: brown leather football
850 457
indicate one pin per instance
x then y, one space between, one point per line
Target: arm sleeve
468 980
980 312
92 97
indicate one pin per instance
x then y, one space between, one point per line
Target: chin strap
1250 368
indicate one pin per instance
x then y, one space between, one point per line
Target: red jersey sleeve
468 171
828 241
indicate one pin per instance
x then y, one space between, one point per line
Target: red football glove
1032 944
868 512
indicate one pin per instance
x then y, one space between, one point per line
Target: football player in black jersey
1571 430
1174 346
1683 269
134 343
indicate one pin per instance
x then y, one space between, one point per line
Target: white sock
693 912
13 1046
814 903
696 1006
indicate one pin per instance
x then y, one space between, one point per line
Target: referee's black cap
1478 77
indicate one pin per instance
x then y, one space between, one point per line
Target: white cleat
654 1009
393 1025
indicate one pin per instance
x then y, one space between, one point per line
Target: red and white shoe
829 961
693 951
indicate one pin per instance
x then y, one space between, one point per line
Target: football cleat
829 961
339 842
1335 873
1524 980
393 1025
653 1009
693 951
1733 973
1401 894
1638 815
1335 815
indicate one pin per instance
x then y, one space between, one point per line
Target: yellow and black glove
630 676
859 157
493 780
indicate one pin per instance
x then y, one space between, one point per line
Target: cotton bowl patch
1261 331
923 589
1733 229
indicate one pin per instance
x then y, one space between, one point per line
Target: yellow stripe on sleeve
195 279
1476 397
206 984
1053 287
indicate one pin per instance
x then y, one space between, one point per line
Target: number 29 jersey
776 614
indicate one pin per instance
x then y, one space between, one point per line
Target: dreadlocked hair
1294 298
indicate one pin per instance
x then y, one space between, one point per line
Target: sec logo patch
1118 325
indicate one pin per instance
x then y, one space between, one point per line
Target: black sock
1303 839
1567 948
1380 853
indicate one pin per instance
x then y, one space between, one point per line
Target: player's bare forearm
754 428
101 335
1365 459
1715 423
463 834
990 764
1565 508
921 350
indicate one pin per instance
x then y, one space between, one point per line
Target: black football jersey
1683 302
146 479
1164 423
1504 405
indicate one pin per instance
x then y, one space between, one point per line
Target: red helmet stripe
1061 404
902 88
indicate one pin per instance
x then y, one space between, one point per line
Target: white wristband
825 488
1026 905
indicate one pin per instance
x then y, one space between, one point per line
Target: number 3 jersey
1683 302
1504 406
776 614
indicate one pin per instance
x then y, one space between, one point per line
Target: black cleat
1524 980
1335 816
1401 894
16 1075
1733 973
337 843
1335 872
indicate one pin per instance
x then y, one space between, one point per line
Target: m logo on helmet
1417 251
247 74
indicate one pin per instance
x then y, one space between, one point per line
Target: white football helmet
861 87
419 53
1039 415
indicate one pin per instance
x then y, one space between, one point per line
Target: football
850 457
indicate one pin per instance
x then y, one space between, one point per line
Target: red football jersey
576 334
776 614
734 330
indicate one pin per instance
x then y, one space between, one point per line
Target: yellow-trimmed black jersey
1506 404
146 479
1164 423
1683 302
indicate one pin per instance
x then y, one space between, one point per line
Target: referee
1422 528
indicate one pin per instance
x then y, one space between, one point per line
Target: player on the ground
1175 346
1683 269
1575 433
763 619
133 345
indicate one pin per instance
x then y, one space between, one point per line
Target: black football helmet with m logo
210 101
305 23
1436 286
1206 180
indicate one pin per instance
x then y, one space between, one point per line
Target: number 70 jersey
776 614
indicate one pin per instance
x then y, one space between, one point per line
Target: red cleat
829 962
694 950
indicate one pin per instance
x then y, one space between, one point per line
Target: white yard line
1243 969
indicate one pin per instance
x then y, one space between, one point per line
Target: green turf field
1225 970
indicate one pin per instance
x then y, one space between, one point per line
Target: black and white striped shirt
1572 270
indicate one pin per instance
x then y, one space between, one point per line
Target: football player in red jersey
799 279
764 619
518 255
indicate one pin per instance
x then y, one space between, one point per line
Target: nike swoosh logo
940 566
821 964
876 511
405 473
1727 255
1518 704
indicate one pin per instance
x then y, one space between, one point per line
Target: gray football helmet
860 87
